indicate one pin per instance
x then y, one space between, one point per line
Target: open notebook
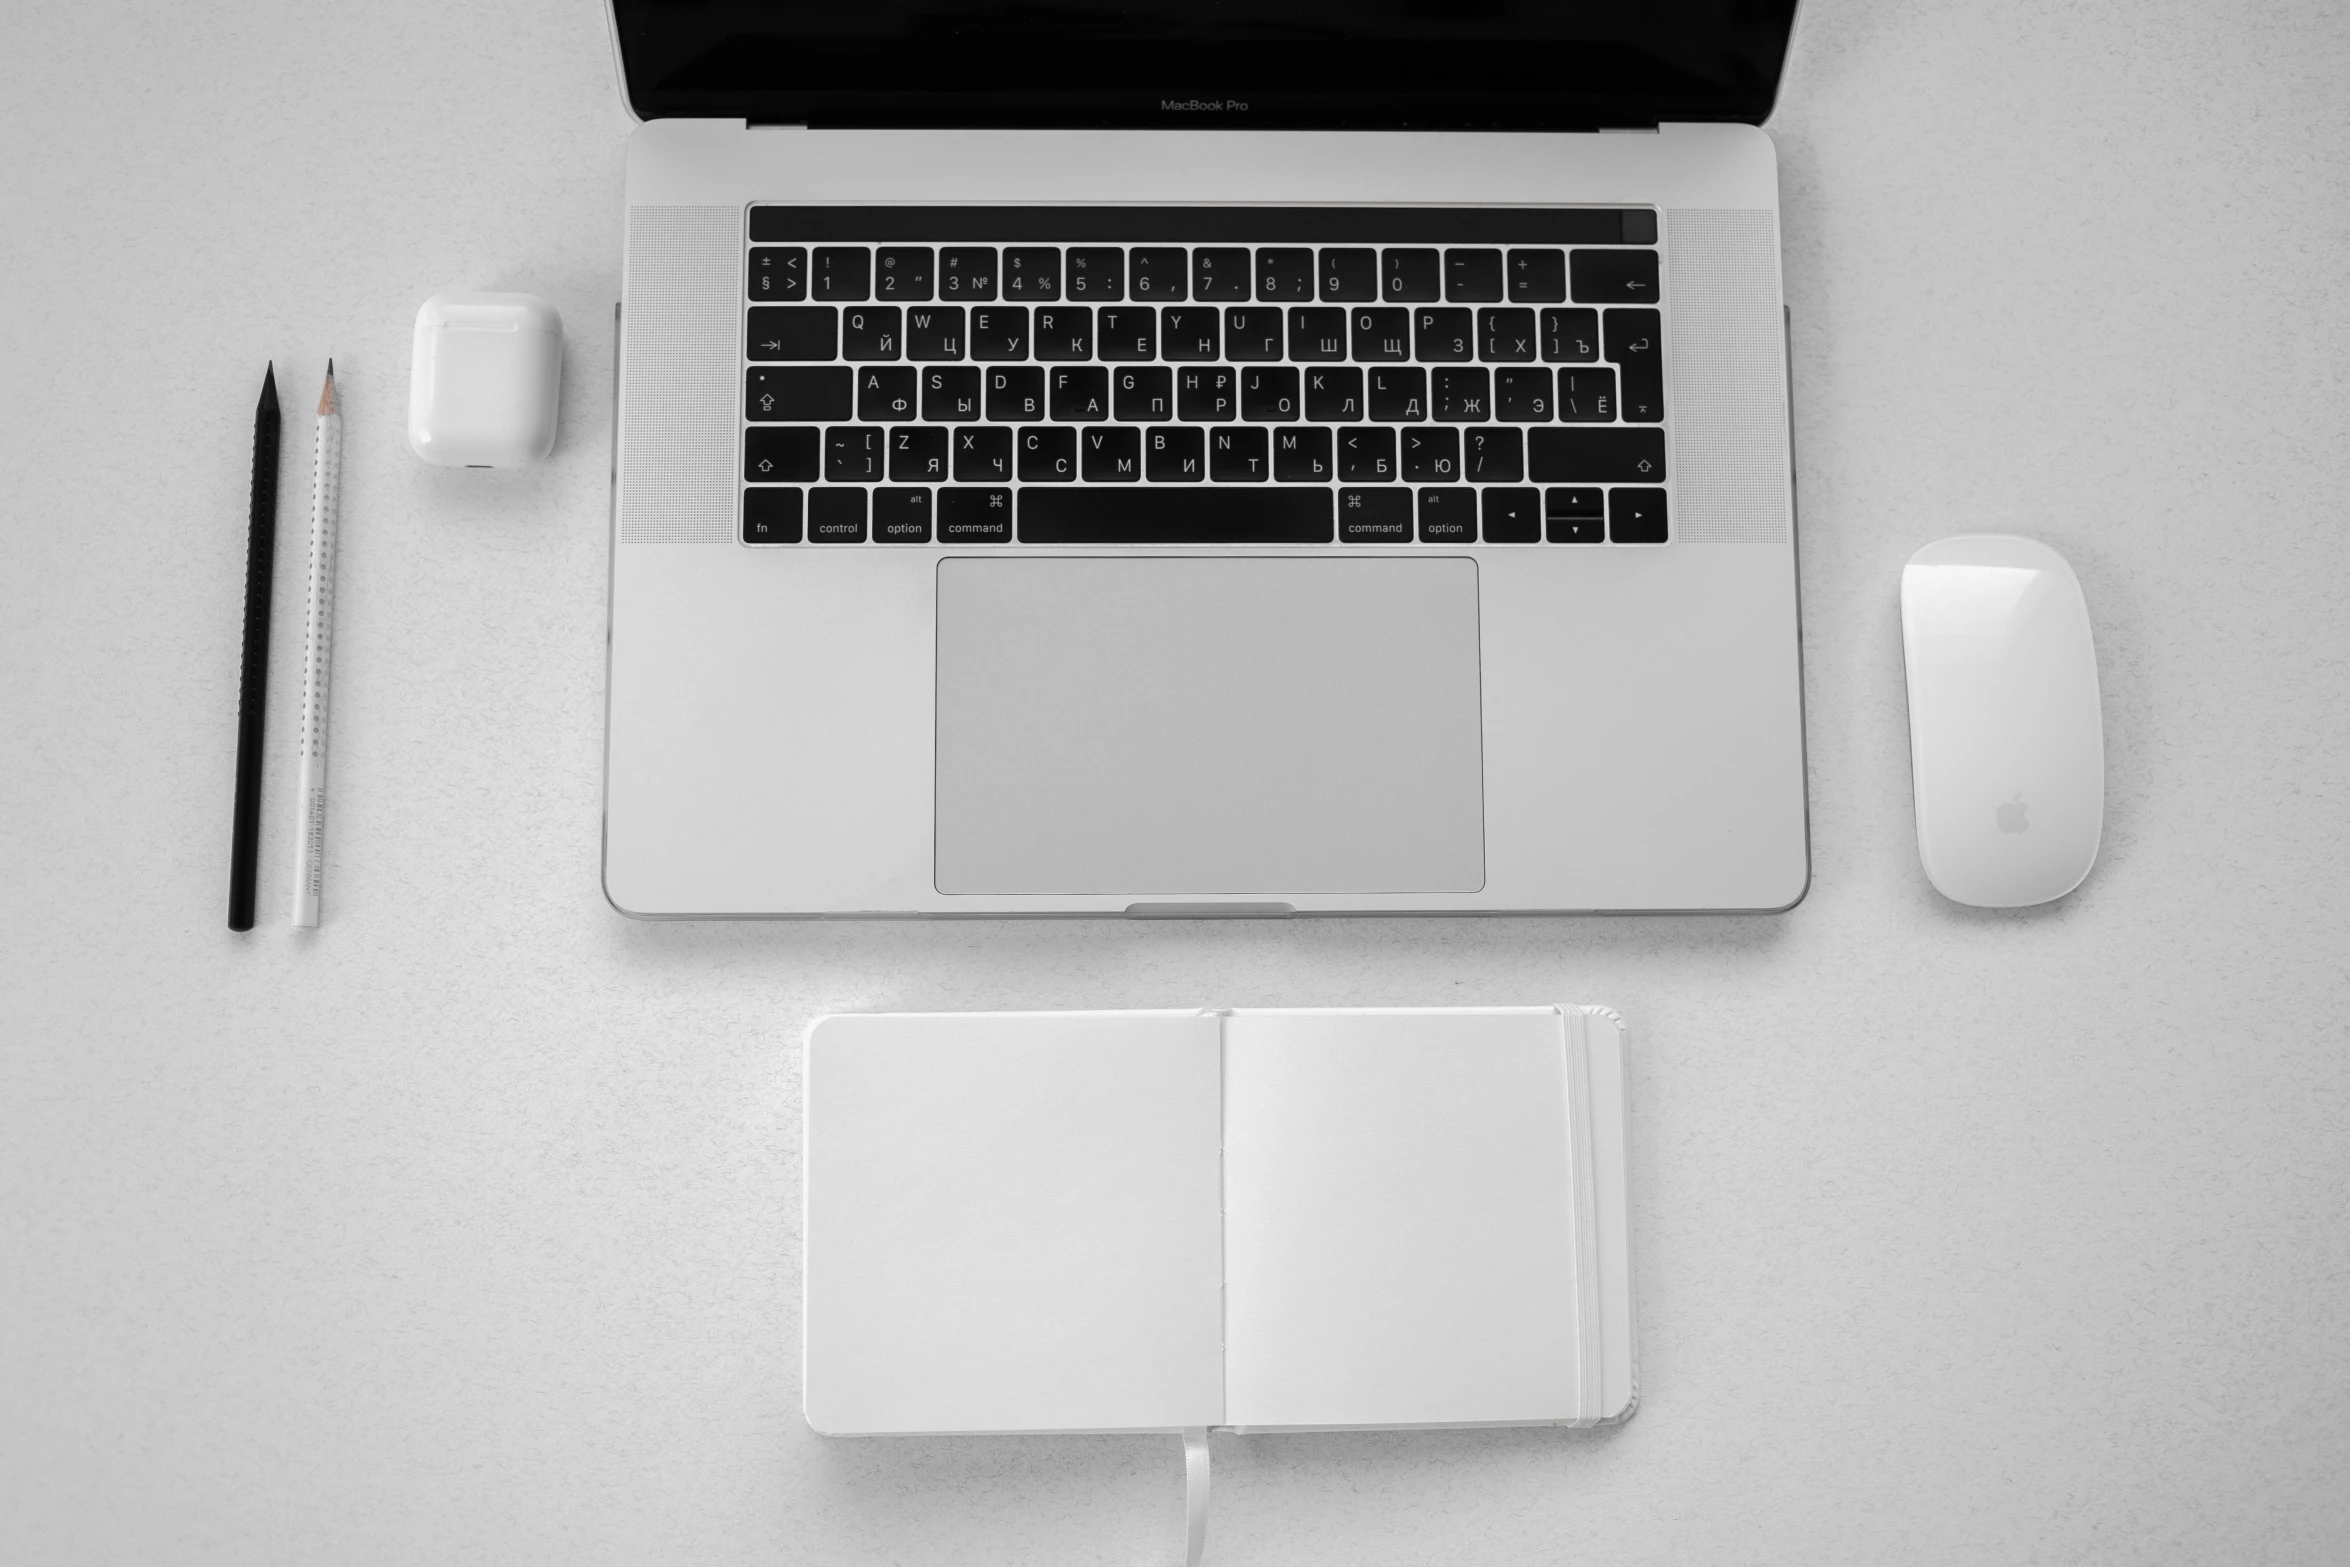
1250 1220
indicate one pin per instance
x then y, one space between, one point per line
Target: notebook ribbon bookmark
1195 1494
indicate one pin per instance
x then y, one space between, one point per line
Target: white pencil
310 816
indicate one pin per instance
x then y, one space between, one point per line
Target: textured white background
464 1228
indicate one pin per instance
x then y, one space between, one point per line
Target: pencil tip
326 394
269 386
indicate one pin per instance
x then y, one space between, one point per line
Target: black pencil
253 686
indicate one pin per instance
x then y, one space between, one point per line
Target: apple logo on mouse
2012 816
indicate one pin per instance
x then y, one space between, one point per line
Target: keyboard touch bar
1155 516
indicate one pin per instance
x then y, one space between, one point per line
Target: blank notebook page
1012 1223
1398 1219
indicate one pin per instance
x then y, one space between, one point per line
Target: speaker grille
1729 377
677 384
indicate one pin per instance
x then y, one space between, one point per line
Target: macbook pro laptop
1159 459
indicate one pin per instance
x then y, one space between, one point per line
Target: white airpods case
486 377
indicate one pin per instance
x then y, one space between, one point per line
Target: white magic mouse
2006 745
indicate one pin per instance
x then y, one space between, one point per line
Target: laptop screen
1371 64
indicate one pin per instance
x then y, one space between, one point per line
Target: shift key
809 394
1599 454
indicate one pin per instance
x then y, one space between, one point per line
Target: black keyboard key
855 454
1268 393
1587 396
885 394
1064 332
1096 273
999 332
1048 456
950 395
871 332
1253 334
1636 516
1015 394
1366 454
1577 516
1161 273
1143 396
1493 456
843 272
1120 516
1209 394
1522 396
1110 454
1613 277
1640 225
1032 272
1381 336
1570 336
983 455
1302 456
967 272
1317 333
1219 273
901 516
1399 395
1284 275
1568 455
781 455
1513 516
1191 335
918 454
1175 455
934 332
1537 277
1350 276
902 272
793 332
771 515
1128 332
1448 516
1411 276
1443 335
1431 454
1375 516
780 273
974 516
1472 277
1080 394
1462 396
1632 342
813 394
1334 396
1505 336
1239 456
836 516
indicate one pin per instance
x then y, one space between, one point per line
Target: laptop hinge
1210 911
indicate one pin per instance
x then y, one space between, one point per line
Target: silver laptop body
908 642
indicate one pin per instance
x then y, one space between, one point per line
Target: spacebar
1088 514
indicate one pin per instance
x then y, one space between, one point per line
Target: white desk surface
465 1228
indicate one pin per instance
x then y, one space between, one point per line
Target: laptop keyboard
1189 375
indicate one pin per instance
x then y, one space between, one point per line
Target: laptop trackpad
1163 726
